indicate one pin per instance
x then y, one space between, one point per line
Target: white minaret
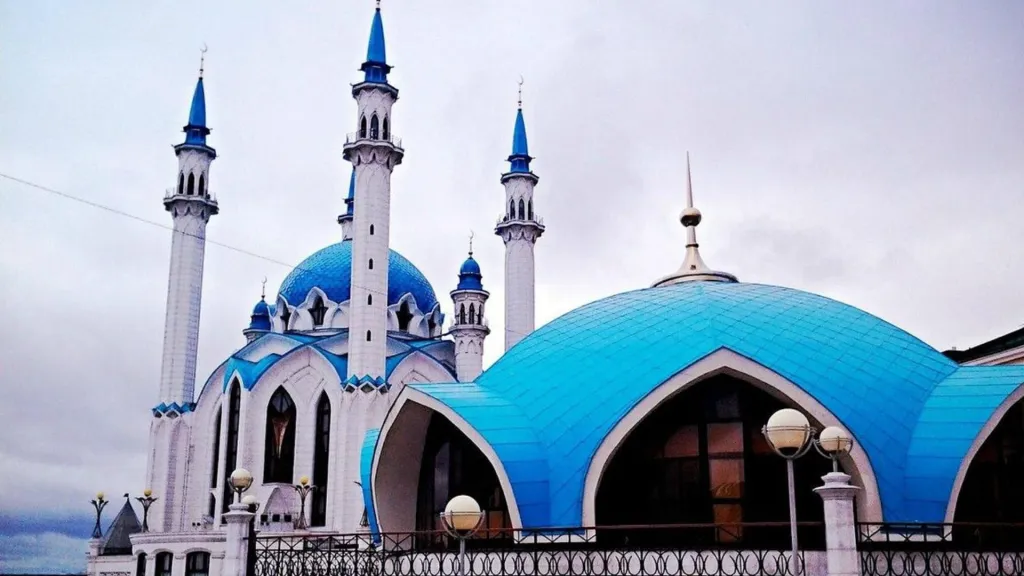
374 152
191 207
469 328
519 228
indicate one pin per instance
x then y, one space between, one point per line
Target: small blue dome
260 319
470 276
330 270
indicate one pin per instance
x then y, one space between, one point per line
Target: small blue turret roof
350 200
470 277
196 130
260 319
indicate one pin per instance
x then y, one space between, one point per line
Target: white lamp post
789 433
832 443
241 480
461 518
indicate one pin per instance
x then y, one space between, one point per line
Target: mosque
642 408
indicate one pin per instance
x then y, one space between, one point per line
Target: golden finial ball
99 496
147 492
304 480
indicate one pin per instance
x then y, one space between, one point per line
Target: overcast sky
872 152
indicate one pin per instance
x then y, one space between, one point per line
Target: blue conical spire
349 202
520 158
376 65
196 130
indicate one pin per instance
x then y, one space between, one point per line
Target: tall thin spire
520 157
376 66
693 267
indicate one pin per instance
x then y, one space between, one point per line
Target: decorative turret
259 322
693 267
374 152
346 219
469 327
520 228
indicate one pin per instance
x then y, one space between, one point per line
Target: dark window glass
371 263
212 507
529 210
472 313
140 565
202 185
181 183
318 311
368 337
369 299
197 564
991 491
404 317
387 132
190 189
279 455
321 453
522 208
371 229
231 449
164 564
512 209
362 127
374 128
462 313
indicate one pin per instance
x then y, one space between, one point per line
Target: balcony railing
353 137
949 549
503 219
172 192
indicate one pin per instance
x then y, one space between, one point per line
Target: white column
236 543
519 228
840 528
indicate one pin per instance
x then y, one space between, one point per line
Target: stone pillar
840 527
236 546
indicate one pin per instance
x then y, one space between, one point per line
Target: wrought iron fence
972 549
626 550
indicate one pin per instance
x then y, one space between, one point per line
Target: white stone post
840 528
236 545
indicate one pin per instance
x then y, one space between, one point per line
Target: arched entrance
700 458
991 491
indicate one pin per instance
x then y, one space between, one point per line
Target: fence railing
973 549
353 137
622 550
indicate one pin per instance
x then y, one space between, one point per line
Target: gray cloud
870 152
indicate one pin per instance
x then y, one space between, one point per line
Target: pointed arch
318 311
374 127
522 209
512 209
462 313
202 185
181 183
211 509
234 408
321 459
190 189
362 127
404 316
480 314
472 313
279 453
386 129
529 209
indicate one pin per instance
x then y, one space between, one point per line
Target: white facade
519 228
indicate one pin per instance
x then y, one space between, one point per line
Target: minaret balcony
172 196
353 138
506 221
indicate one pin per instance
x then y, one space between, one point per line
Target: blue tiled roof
572 380
330 269
470 277
260 319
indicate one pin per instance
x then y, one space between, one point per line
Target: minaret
259 321
346 219
191 207
693 267
469 327
519 228
374 152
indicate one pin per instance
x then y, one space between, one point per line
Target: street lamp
99 504
252 505
461 518
240 481
789 433
146 500
832 443
303 488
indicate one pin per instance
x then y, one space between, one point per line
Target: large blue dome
330 270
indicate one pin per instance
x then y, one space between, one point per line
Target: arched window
386 132
285 317
371 229
368 337
318 311
164 563
197 564
512 209
480 315
140 564
462 313
404 317
374 127
202 185
991 488
231 448
321 454
431 326
369 299
689 461
190 189
452 465
181 183
472 313
362 127
522 209
371 263
529 210
279 454
211 508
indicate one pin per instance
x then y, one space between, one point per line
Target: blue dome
260 319
554 397
330 270
470 276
